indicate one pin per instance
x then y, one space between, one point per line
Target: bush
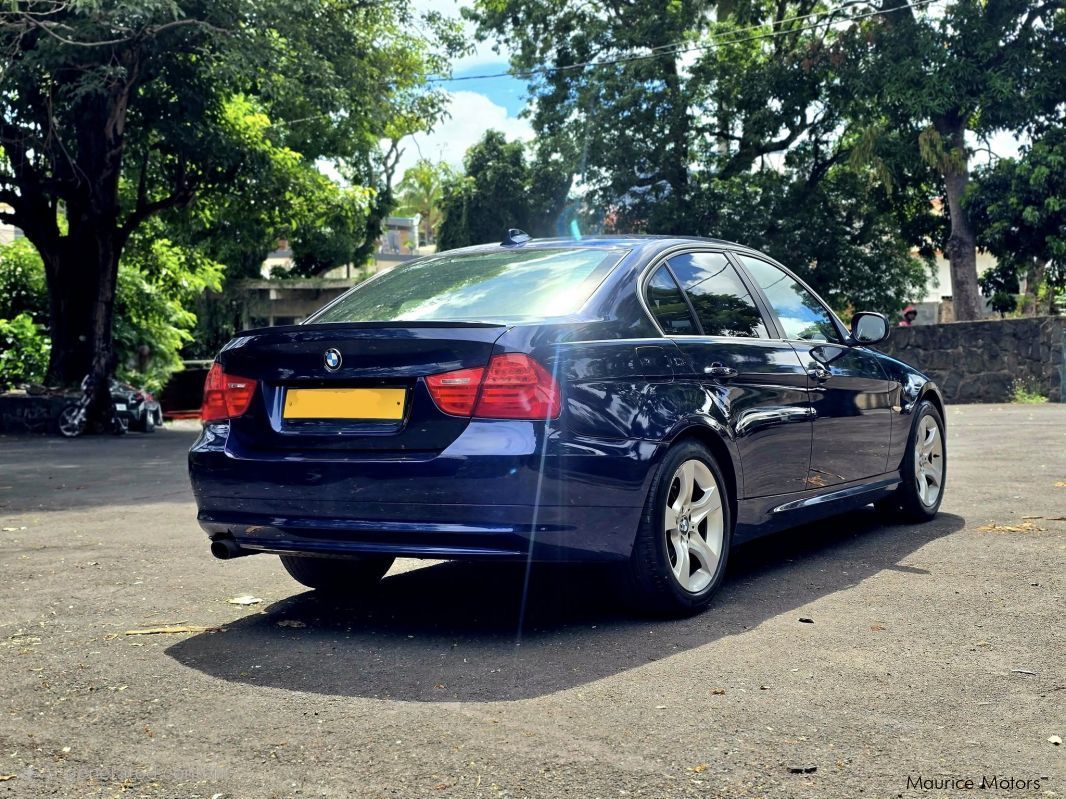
157 281
24 351
22 288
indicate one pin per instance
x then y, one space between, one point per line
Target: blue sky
508 92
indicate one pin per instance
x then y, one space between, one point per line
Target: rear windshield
478 287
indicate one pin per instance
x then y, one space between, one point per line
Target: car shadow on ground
452 631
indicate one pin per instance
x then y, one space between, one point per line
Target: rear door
352 386
850 393
701 302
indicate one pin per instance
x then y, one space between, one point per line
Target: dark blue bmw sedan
645 401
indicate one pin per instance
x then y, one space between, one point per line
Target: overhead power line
679 48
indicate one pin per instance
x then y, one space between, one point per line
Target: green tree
334 233
1019 207
158 281
945 75
421 191
499 190
729 120
101 95
643 104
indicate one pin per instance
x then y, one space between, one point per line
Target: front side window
502 286
722 302
802 316
668 305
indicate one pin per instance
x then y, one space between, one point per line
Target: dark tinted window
722 303
492 286
667 303
802 316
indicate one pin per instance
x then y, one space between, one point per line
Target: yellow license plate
344 403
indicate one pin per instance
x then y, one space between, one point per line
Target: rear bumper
501 490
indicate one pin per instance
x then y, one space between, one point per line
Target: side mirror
868 327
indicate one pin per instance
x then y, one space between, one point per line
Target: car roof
628 241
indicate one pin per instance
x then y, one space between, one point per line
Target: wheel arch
930 391
723 450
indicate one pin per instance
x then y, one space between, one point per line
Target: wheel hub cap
694 525
929 461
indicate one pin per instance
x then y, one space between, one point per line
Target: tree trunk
961 248
82 276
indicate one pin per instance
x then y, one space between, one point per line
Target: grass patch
1025 394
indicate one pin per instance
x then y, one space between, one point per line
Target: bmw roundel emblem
333 359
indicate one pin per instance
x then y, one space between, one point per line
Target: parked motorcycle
74 418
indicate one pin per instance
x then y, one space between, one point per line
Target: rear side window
802 316
667 303
508 285
723 304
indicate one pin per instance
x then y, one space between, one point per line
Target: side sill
835 496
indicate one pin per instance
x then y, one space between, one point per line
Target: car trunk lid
372 373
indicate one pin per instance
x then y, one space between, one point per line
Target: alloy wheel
929 461
694 525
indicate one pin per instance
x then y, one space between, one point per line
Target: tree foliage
421 191
113 112
658 109
728 119
500 189
941 76
158 281
1019 205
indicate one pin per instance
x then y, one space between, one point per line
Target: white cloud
483 53
469 115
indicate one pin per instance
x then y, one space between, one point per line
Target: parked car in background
137 406
646 401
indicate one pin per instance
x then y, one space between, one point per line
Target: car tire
339 576
924 468
658 583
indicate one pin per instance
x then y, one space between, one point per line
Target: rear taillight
225 396
456 392
513 386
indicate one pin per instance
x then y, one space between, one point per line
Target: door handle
819 373
720 371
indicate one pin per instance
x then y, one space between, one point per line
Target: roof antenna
515 236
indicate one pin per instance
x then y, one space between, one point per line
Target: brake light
514 386
456 392
225 396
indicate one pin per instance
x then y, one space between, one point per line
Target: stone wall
980 361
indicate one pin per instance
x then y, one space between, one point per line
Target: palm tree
420 192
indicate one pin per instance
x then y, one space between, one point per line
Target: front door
715 323
850 393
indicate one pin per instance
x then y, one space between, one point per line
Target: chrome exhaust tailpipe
227 549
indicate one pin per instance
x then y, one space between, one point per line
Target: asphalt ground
935 652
